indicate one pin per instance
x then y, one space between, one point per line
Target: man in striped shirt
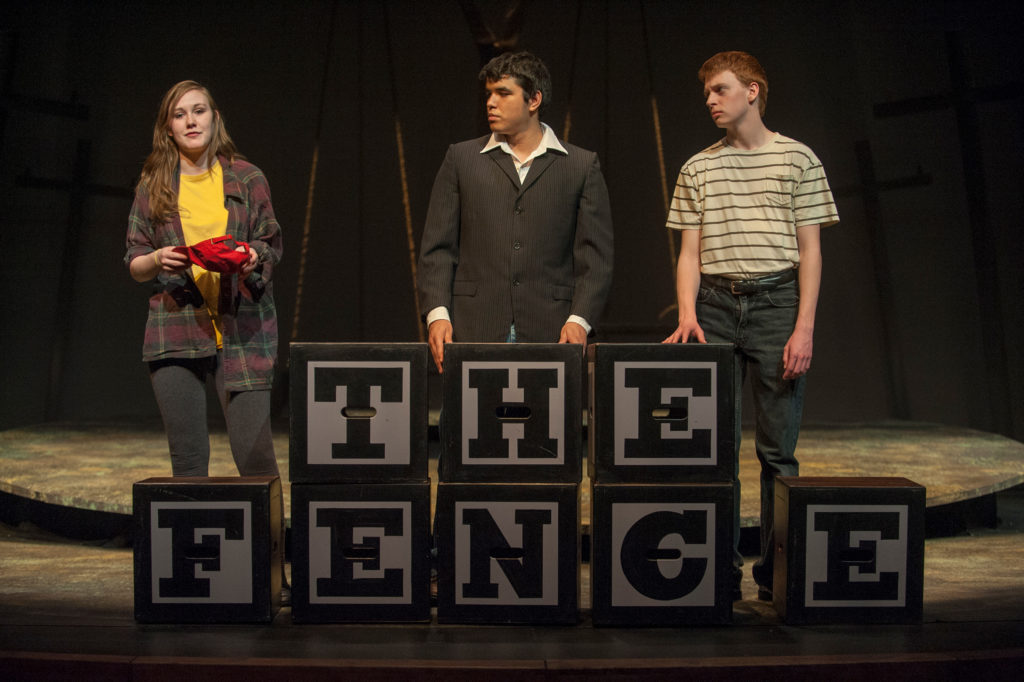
750 208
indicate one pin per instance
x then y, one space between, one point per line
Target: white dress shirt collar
548 141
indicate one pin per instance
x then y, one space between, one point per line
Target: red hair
747 70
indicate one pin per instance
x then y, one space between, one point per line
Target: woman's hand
165 259
250 264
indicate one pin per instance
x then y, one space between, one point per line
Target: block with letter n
849 549
361 552
512 412
358 412
661 413
508 553
207 550
661 554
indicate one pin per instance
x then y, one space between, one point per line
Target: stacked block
507 523
849 550
358 412
207 550
661 462
360 484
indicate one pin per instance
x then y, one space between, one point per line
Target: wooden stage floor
66 606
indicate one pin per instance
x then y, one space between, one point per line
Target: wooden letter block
358 412
361 552
508 553
661 413
512 412
207 550
849 550
661 554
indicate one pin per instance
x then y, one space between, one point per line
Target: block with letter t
361 552
512 412
207 550
661 413
508 553
358 412
849 549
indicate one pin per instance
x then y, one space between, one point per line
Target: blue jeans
759 325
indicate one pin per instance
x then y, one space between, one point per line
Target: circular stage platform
93 465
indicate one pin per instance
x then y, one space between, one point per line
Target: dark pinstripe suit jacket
495 251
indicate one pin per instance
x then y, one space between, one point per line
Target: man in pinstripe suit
518 243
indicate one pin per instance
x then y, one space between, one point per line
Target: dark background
914 108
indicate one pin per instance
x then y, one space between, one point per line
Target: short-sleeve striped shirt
748 204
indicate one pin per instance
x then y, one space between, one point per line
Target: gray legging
180 389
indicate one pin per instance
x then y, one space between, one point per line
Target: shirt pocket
778 190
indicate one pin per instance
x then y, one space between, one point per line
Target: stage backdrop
348 107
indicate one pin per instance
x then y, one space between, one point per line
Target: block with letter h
508 553
849 549
661 554
358 412
361 552
507 524
512 412
207 550
661 413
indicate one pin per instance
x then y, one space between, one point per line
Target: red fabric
217 254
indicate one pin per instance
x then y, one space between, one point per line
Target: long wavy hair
161 167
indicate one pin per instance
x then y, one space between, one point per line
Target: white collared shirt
548 141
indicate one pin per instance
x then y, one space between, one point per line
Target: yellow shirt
203 216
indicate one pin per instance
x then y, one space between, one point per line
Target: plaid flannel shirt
179 324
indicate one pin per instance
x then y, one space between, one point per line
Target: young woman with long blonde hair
222 325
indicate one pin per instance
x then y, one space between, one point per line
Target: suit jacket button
515 282
516 246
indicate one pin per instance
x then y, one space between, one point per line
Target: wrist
804 326
687 318
156 259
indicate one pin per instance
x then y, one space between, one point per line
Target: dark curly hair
527 70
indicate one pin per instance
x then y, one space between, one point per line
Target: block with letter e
849 549
661 413
361 552
661 554
358 412
508 553
207 550
512 412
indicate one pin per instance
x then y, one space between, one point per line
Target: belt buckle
732 288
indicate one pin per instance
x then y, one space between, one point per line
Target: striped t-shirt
748 204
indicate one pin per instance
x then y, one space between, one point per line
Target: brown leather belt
758 285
